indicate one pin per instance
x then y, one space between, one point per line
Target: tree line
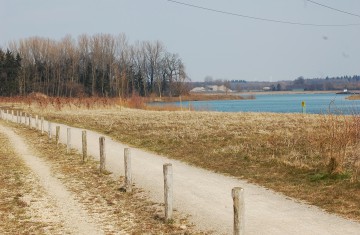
307 84
98 65
10 65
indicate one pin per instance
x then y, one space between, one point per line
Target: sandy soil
206 196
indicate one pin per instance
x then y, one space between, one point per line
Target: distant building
214 88
198 89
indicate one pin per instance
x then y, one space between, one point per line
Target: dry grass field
314 158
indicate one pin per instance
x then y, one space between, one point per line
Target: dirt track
206 196
74 219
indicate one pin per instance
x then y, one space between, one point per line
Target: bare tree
98 65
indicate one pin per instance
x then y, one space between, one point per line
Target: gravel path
206 196
71 214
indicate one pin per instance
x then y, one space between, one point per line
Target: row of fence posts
237 192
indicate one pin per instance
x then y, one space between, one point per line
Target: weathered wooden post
12 115
127 164
84 146
49 130
68 141
26 120
57 135
36 122
42 125
30 121
102 153
239 210
6 116
168 191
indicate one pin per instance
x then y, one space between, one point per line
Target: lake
279 103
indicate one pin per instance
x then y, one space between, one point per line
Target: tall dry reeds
60 103
338 142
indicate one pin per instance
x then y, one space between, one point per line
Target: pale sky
222 46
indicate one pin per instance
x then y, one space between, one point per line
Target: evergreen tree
10 66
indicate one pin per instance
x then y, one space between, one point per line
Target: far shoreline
245 95
283 92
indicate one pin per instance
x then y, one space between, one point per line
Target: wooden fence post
49 130
57 135
30 121
36 122
42 125
84 146
68 141
168 191
239 210
12 115
127 164
102 153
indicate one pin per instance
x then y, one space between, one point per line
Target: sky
210 43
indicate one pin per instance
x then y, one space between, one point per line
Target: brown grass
353 97
309 157
117 211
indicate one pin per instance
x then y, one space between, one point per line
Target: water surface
279 103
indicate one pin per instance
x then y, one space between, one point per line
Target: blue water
289 103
